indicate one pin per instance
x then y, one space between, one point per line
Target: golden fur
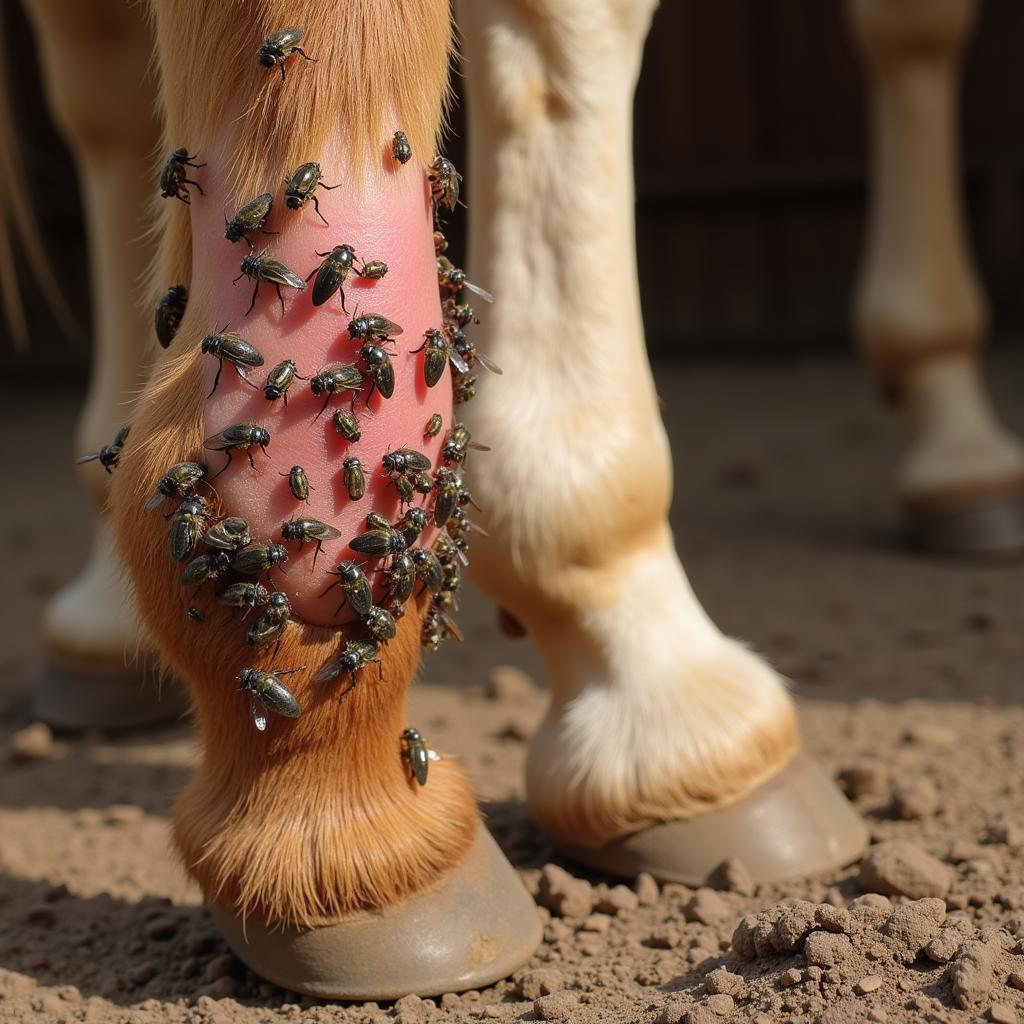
314 818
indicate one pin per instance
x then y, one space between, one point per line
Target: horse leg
667 746
89 54
316 850
920 313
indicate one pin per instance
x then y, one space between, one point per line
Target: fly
416 754
279 46
298 483
452 279
268 693
355 588
401 578
169 311
380 623
178 482
241 437
331 274
372 326
412 524
259 559
346 424
433 427
374 270
457 443
309 530
428 569
355 655
236 350
379 543
243 595
302 184
444 183
354 478
378 369
187 523
337 379
270 625
262 268
438 352
110 454
173 177
400 148
204 568
279 380
250 218
229 534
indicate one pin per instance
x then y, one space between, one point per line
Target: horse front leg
667 745
315 848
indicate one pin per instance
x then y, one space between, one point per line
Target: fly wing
330 671
390 326
83 459
325 532
278 273
488 363
227 438
477 290
457 361
258 712
153 502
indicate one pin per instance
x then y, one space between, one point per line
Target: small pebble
222 988
902 868
161 928
35 743
1000 1013
541 982
871 983
733 875
790 978
646 889
877 1015
720 1005
618 899
560 1006
1016 980
706 907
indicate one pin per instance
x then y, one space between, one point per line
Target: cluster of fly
220 552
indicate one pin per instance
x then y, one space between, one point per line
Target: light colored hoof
987 526
797 823
110 701
477 926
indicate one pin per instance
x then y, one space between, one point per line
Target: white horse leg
920 311
99 675
656 717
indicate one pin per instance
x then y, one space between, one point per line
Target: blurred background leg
920 312
666 742
95 60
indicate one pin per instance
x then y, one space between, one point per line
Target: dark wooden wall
750 154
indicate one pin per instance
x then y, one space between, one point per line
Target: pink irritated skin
388 218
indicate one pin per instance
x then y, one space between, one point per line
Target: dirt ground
909 679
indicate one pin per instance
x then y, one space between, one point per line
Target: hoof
987 526
477 926
107 701
797 823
